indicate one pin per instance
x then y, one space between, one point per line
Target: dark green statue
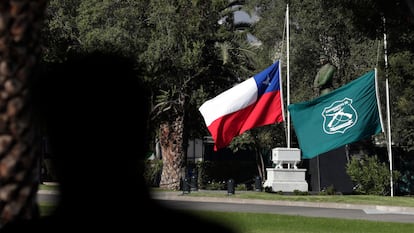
323 79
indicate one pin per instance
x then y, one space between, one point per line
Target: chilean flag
255 102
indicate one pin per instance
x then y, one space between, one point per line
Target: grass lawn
46 208
407 201
272 223
275 223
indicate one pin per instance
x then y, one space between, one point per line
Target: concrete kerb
176 195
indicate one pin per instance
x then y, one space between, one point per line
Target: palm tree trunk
20 22
171 141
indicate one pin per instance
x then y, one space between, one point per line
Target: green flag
345 115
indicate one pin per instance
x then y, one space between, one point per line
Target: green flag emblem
345 115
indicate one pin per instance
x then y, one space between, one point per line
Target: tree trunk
260 165
20 22
173 157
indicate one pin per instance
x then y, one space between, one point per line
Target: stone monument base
286 180
286 176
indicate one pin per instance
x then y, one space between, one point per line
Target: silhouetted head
95 110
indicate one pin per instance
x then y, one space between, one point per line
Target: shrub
214 185
241 187
370 175
300 193
330 190
152 172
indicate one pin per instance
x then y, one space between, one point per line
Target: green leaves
370 175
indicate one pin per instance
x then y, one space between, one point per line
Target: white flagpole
389 136
287 75
388 109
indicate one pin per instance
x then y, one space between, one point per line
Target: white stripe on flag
232 100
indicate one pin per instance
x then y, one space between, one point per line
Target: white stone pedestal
286 177
286 180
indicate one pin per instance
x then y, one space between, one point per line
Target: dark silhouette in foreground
95 111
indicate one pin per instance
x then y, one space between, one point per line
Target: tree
260 140
174 52
186 55
192 51
20 23
113 26
401 72
94 25
349 32
190 55
60 34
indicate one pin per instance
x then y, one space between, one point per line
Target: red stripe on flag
267 110
225 128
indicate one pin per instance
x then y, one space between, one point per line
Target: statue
323 79
328 170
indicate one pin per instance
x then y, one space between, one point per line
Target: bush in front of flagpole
370 175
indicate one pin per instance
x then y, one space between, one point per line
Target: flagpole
287 74
389 136
389 146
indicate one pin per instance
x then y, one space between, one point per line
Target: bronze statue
323 79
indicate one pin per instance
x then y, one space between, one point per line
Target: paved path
311 209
